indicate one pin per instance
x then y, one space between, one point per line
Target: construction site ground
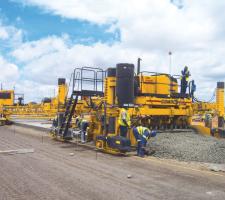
57 170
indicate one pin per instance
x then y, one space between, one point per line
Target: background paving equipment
13 107
208 117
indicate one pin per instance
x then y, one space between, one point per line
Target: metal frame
96 80
79 78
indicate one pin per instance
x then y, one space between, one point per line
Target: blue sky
37 24
42 40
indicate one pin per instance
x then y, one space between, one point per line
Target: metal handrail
93 79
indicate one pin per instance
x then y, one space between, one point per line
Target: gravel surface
188 146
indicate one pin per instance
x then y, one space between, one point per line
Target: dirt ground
51 172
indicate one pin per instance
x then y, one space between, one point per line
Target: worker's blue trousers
84 126
141 143
123 131
184 85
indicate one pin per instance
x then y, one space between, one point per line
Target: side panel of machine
158 85
7 97
125 84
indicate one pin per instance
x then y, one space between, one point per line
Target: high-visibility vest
120 120
203 117
141 131
186 75
84 120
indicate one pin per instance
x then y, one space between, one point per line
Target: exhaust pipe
138 66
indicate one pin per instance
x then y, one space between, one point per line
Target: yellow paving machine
152 100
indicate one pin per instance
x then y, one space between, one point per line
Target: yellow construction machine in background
12 108
6 98
208 117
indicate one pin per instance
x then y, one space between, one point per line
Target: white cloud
149 29
10 36
9 73
150 25
36 49
99 11
35 91
3 33
46 59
